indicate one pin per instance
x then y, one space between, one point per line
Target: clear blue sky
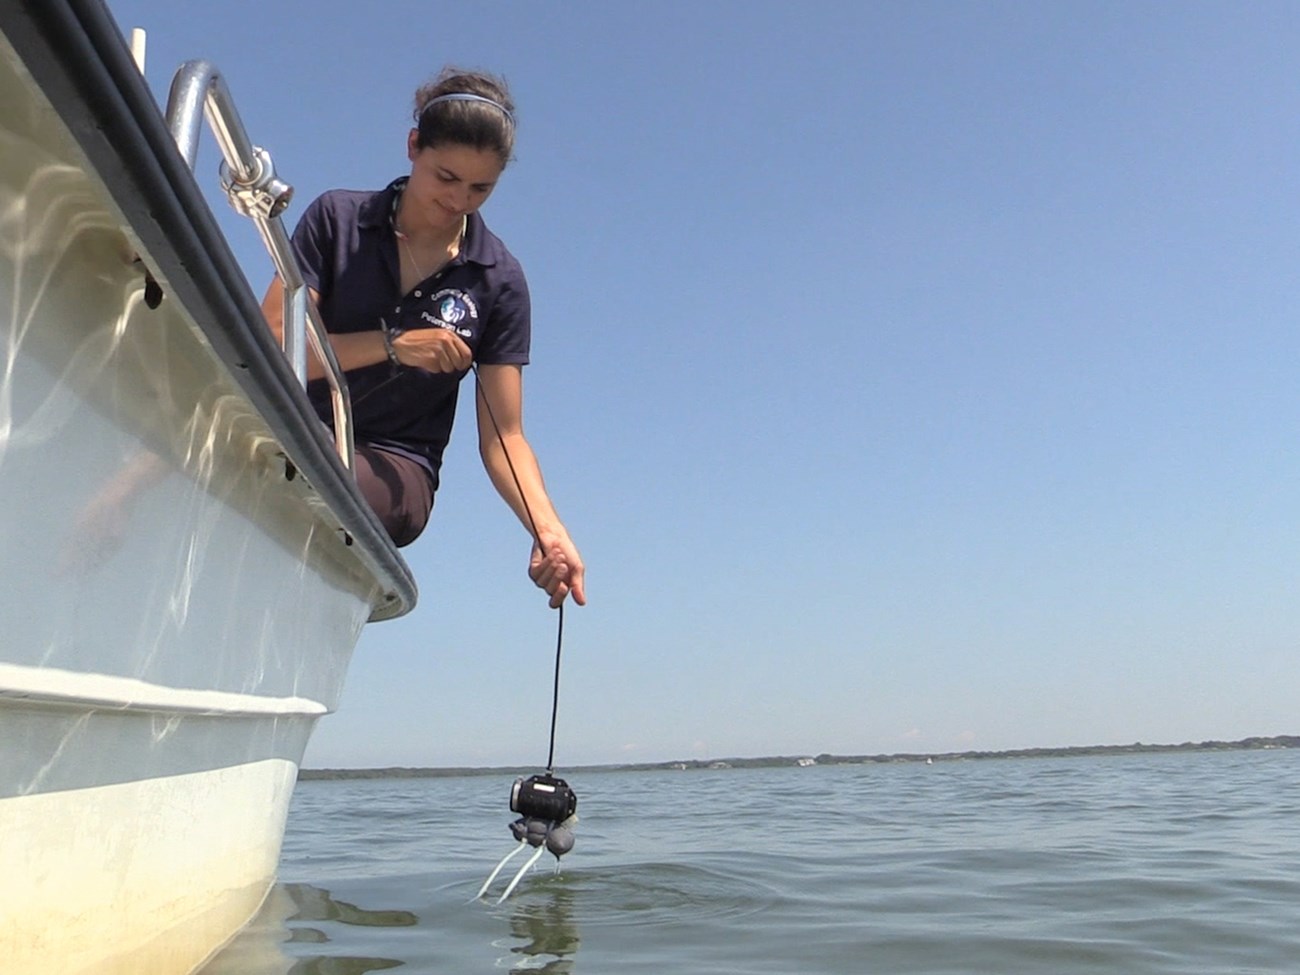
913 376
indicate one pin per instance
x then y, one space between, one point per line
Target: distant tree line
777 761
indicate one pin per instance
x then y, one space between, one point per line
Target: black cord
532 524
555 694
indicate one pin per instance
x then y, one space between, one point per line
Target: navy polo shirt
348 254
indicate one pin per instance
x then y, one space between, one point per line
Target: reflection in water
542 935
546 927
341 966
316 904
258 948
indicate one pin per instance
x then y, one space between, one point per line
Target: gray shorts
398 489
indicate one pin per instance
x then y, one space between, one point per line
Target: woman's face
448 182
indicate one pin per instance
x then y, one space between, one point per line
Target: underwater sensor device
547 810
543 797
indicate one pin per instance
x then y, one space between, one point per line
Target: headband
464 96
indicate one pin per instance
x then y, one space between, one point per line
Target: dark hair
464 122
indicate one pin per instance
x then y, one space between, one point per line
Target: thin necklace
410 255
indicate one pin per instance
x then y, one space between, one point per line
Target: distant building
805 762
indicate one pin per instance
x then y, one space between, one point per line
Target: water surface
1181 862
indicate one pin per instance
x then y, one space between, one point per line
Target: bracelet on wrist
389 335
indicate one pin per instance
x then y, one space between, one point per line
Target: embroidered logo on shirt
453 307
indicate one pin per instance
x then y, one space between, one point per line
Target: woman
414 289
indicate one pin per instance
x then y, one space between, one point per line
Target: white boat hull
177 609
140 876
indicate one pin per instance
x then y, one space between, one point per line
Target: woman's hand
557 567
432 349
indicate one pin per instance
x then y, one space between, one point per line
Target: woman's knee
399 491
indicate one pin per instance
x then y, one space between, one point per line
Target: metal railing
249 179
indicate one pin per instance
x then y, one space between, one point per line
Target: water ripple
645 894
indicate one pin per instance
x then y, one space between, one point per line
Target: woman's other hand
557 567
432 349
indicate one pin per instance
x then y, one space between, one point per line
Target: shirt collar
380 212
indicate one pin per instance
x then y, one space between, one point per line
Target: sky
914 377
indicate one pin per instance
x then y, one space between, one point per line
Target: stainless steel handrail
249 179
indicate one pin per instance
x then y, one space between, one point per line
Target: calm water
1177 863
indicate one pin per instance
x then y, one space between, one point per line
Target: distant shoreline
779 761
